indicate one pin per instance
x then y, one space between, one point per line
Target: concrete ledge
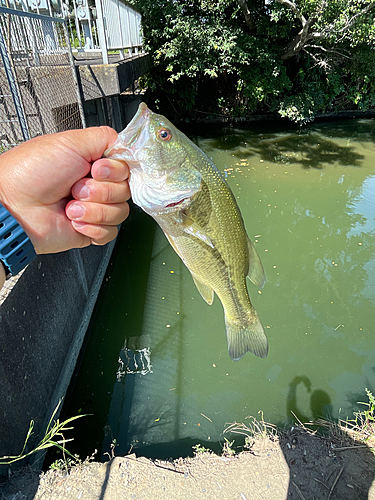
42 326
102 80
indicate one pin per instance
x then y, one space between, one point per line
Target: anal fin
206 292
256 271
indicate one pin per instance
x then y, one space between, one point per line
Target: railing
109 25
121 27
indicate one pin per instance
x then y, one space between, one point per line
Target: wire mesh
38 66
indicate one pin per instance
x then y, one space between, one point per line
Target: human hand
39 178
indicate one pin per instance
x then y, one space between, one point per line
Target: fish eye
165 134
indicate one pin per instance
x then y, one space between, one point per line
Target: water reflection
309 149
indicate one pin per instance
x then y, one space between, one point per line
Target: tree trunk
245 11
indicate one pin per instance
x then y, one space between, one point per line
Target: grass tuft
253 429
53 437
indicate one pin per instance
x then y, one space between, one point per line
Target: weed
363 424
112 454
366 418
253 429
199 449
54 431
68 462
228 451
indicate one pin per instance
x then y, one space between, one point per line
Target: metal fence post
101 30
75 79
13 85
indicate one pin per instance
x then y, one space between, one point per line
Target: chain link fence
39 91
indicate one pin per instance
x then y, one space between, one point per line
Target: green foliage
316 56
365 420
199 449
53 437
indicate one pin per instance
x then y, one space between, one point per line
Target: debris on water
203 415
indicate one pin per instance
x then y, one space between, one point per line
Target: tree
326 23
235 57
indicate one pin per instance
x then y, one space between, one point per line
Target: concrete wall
101 80
42 326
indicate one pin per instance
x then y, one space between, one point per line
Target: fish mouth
122 148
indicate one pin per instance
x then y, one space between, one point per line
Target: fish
175 182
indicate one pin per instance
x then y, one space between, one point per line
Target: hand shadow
333 465
320 403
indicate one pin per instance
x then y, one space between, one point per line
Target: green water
156 374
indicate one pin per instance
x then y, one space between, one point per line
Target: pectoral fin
191 227
256 271
206 292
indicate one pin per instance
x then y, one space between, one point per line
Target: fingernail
76 211
83 192
104 172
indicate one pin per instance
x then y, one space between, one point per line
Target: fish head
162 177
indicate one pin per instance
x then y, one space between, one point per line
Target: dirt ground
297 465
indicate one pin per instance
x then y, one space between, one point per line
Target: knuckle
103 235
106 193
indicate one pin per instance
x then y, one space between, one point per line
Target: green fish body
179 186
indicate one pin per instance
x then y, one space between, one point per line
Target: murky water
156 374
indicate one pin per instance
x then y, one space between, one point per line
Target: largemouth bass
172 180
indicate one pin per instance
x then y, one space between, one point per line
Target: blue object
16 249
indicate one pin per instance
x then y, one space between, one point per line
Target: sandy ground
296 465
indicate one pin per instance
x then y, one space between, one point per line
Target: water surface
156 374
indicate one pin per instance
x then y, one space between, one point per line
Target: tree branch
349 24
355 17
293 7
305 35
245 11
299 41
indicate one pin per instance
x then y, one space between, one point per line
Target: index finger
107 169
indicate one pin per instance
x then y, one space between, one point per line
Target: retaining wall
42 326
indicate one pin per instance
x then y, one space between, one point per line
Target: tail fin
246 337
